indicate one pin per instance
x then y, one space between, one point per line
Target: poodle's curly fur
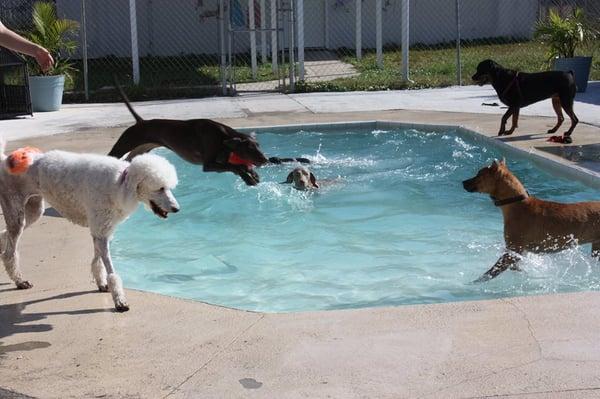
90 190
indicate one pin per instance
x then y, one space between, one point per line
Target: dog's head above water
486 72
487 178
153 178
247 148
302 179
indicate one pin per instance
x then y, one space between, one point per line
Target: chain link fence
191 48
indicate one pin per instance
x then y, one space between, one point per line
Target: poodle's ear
289 179
313 180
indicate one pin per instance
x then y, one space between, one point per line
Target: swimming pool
394 227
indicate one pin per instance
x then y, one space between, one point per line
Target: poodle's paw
103 287
24 285
121 306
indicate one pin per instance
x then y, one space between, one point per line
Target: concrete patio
61 339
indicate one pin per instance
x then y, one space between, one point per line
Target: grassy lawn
437 67
199 75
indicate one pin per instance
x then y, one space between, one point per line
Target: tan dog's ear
289 179
313 180
494 164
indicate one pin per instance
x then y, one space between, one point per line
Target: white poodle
90 190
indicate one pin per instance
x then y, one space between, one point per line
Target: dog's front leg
515 122
505 117
250 177
115 286
507 260
15 224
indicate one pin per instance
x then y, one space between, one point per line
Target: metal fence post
84 52
458 58
358 29
222 47
379 33
274 33
405 39
135 58
300 33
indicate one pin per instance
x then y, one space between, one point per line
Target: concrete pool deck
61 338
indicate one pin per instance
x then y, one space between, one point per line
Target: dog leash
515 81
123 176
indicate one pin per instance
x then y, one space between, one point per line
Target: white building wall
169 27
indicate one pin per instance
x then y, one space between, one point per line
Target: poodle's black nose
174 210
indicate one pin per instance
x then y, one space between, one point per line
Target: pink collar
123 176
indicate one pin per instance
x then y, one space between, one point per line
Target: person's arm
13 41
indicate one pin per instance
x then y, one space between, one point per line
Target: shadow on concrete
591 95
522 137
14 321
8 394
586 156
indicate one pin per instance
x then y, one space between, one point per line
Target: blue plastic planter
46 92
580 67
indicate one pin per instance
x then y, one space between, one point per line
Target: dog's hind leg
15 224
505 117
508 260
34 209
515 122
115 286
559 115
567 105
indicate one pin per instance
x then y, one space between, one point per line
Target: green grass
199 75
161 77
437 67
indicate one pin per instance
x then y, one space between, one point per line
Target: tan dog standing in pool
531 224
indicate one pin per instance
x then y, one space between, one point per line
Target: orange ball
21 159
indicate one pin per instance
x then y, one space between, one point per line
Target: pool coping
61 338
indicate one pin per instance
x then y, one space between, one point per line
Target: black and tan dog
218 147
531 224
520 89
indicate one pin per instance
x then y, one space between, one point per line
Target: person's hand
44 59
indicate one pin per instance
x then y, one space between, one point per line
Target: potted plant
564 35
55 35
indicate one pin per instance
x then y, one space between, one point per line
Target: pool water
393 226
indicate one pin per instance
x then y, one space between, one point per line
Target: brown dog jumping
520 89
215 146
531 224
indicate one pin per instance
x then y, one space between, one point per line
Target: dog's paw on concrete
24 285
121 307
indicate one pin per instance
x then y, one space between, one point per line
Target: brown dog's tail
138 118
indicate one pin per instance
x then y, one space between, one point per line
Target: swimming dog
531 224
302 179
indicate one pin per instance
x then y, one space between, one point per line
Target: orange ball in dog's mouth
21 159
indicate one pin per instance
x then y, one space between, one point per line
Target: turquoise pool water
394 227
